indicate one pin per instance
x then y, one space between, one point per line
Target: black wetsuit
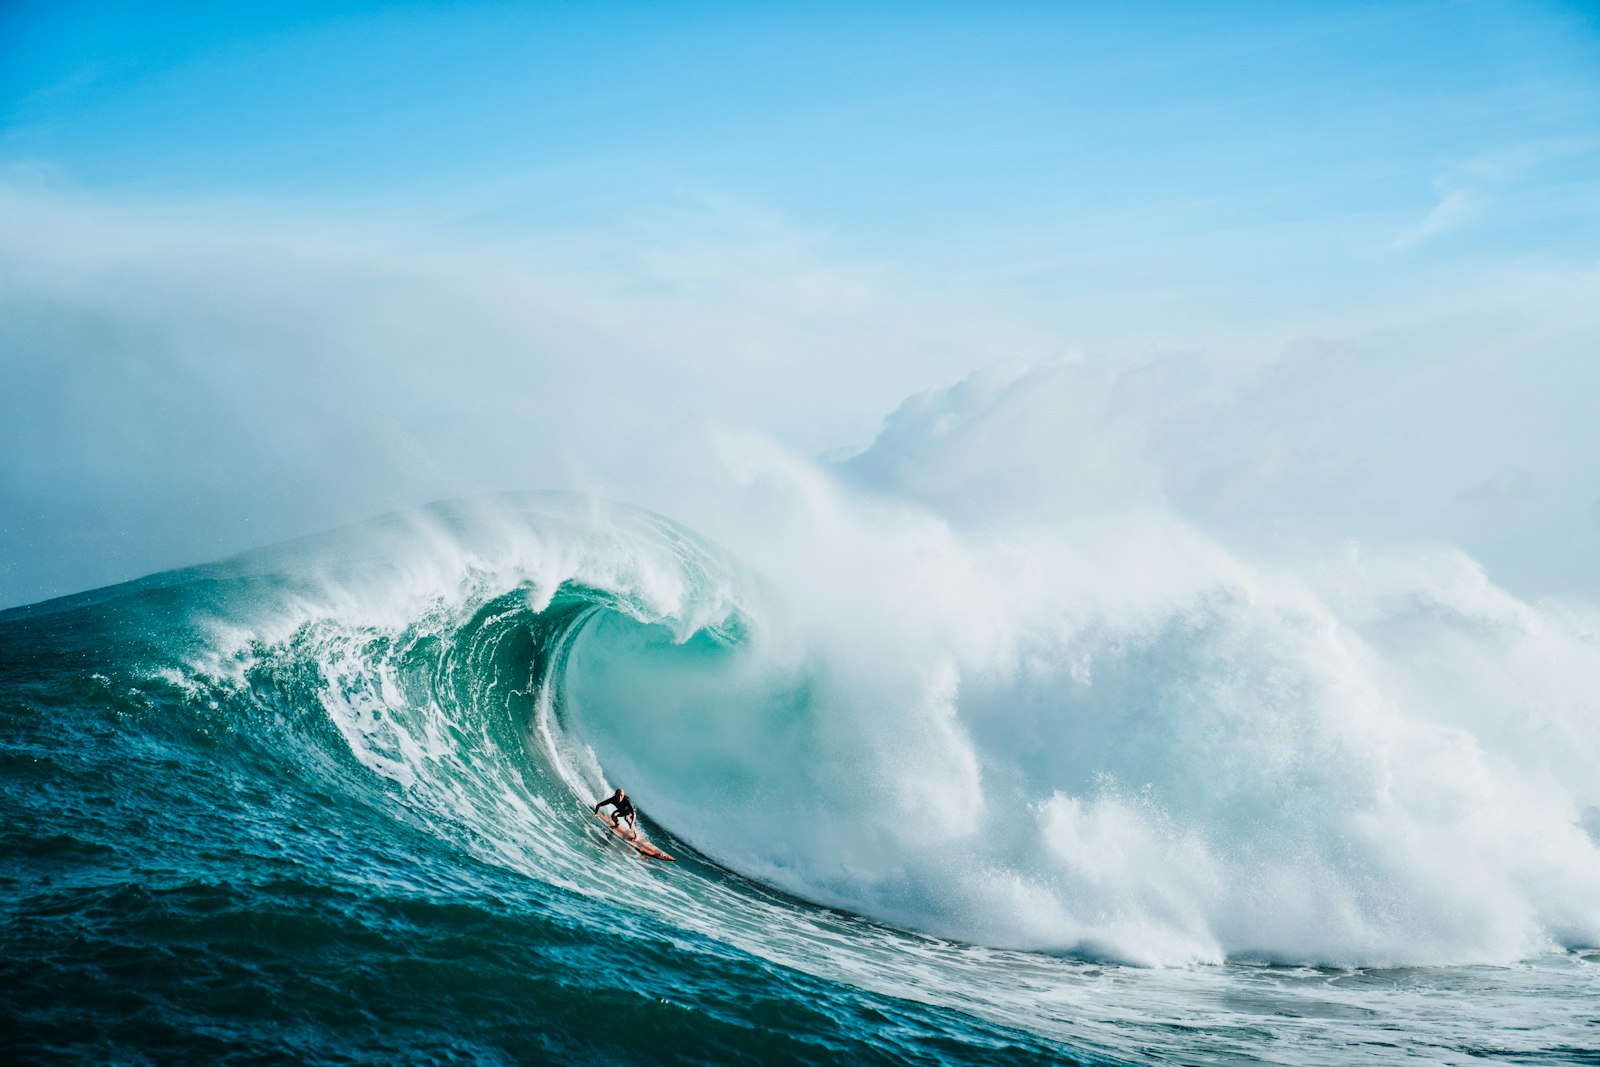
624 808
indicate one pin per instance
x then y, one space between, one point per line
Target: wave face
924 787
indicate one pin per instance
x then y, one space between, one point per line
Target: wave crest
988 740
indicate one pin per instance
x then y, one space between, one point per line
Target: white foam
1087 725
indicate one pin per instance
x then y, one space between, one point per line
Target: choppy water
326 803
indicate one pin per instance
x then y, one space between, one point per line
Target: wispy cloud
1453 209
1516 183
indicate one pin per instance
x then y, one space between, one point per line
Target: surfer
624 810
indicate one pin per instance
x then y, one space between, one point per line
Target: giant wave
1216 762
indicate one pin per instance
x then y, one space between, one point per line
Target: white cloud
1453 209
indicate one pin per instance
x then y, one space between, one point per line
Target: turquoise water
327 803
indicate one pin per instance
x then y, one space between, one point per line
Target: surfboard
636 840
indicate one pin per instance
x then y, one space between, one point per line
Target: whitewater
941 791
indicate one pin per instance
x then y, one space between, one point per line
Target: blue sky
794 216
950 131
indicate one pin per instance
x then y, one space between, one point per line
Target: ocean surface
327 803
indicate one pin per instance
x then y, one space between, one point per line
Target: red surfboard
633 838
